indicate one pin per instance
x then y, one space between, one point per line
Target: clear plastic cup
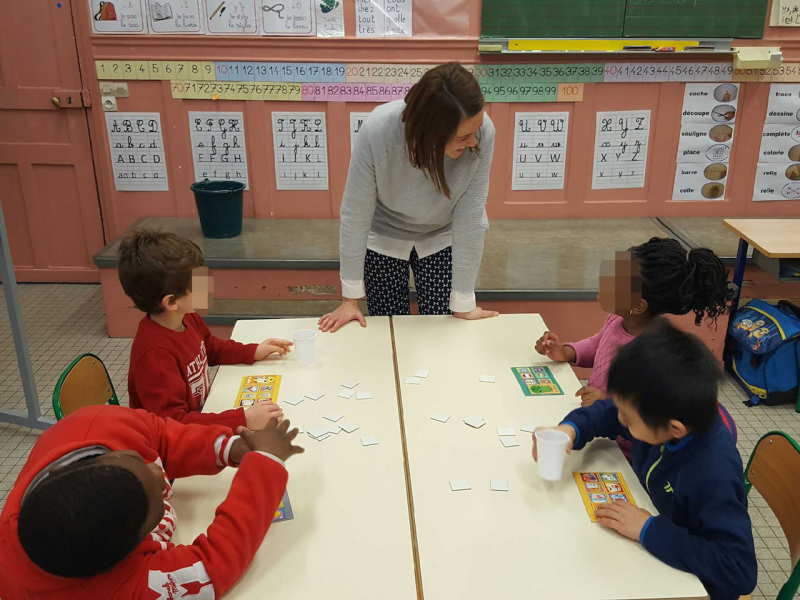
304 340
551 449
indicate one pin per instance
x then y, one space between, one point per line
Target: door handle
56 102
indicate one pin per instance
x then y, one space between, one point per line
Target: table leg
738 277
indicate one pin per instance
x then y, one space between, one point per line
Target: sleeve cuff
644 529
575 350
461 302
222 450
273 457
577 431
353 288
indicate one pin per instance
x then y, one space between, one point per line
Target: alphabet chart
218 147
383 18
620 152
540 150
120 16
137 152
231 17
356 120
288 18
175 16
301 153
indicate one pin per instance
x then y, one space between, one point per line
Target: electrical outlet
106 88
109 104
120 90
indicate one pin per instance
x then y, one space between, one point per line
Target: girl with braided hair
656 278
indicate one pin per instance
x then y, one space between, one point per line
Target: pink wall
460 20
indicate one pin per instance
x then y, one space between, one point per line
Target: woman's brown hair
435 107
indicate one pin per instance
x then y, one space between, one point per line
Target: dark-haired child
89 515
663 388
163 274
659 277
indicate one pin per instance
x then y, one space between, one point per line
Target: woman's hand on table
623 518
347 312
476 313
568 429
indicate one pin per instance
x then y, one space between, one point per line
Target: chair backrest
774 470
85 382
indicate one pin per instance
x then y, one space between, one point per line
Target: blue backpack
766 352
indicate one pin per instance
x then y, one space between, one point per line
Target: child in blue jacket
663 388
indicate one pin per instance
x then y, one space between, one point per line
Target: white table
350 536
536 540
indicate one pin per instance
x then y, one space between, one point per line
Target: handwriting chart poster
301 153
540 150
120 16
218 147
231 17
137 152
620 152
356 121
175 16
297 17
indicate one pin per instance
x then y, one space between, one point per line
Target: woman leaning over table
415 198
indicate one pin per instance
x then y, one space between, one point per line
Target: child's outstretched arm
601 419
220 557
721 551
225 352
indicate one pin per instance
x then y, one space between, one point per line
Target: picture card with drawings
777 181
137 152
175 16
231 17
218 146
301 150
124 17
703 143
296 18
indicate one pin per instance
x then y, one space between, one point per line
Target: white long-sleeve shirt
391 207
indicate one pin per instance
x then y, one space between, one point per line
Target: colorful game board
537 381
258 388
284 512
602 488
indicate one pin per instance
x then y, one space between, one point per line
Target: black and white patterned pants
387 279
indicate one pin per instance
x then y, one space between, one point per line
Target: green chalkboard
695 18
552 18
623 18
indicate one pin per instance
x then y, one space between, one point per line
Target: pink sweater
598 351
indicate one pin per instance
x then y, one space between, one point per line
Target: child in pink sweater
659 277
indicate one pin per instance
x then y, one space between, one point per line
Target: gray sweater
388 196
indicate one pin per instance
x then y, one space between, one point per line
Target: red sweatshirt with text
157 569
169 370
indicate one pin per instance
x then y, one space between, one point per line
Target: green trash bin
219 205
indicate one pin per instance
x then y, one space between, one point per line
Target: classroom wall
443 30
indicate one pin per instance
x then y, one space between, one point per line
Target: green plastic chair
774 470
85 382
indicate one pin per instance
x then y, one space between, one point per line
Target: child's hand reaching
590 395
259 415
623 518
272 346
568 429
275 439
552 348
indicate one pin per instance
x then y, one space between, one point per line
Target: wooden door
47 177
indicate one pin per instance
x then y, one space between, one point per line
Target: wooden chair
85 382
774 470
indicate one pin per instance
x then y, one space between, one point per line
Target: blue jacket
697 485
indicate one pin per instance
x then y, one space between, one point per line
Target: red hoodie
169 370
156 569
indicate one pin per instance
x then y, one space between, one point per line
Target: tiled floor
63 321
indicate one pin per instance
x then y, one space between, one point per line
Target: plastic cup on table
304 340
551 448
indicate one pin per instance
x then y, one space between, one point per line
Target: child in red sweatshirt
163 274
89 515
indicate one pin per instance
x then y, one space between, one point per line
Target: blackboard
623 18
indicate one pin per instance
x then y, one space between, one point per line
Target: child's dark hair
154 264
667 374
83 519
675 281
